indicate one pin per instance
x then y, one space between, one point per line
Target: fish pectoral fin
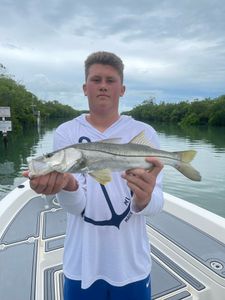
140 139
102 176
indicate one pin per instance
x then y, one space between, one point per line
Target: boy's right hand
52 183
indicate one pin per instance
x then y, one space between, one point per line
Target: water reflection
210 161
20 146
6 169
210 135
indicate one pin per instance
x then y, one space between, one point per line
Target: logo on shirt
116 219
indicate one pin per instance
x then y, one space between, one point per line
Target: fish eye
48 155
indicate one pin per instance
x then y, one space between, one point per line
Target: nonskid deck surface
40 220
35 236
207 250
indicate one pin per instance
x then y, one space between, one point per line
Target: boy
106 253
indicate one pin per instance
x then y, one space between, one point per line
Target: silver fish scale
124 149
97 156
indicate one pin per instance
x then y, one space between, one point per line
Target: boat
187 248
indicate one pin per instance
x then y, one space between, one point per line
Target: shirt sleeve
72 202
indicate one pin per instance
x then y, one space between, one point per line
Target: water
210 161
20 146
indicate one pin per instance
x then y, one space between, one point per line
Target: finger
140 196
138 191
141 174
135 172
139 182
54 183
25 173
155 162
37 184
49 184
40 183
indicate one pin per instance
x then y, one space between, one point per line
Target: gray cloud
173 50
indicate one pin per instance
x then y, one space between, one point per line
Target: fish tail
187 170
184 166
186 156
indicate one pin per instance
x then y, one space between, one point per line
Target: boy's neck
102 122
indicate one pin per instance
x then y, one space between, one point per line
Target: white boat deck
188 261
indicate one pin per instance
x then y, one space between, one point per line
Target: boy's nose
103 88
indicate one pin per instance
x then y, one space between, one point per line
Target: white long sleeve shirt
106 238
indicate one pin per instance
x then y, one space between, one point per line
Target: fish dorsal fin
102 176
141 140
111 141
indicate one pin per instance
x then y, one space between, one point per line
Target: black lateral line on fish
144 152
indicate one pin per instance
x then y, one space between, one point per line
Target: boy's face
103 88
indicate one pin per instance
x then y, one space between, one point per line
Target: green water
210 161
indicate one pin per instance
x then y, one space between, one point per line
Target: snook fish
99 159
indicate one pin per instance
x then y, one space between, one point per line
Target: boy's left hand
142 182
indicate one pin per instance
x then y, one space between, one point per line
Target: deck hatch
18 269
179 296
195 242
181 272
54 244
168 282
54 224
27 221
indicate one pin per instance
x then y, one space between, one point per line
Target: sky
173 50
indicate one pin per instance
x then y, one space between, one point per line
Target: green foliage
24 105
217 113
190 119
186 113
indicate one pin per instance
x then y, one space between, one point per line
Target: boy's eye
110 80
95 79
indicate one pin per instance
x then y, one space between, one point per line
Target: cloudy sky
173 50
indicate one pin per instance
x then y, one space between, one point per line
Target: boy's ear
123 89
85 89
